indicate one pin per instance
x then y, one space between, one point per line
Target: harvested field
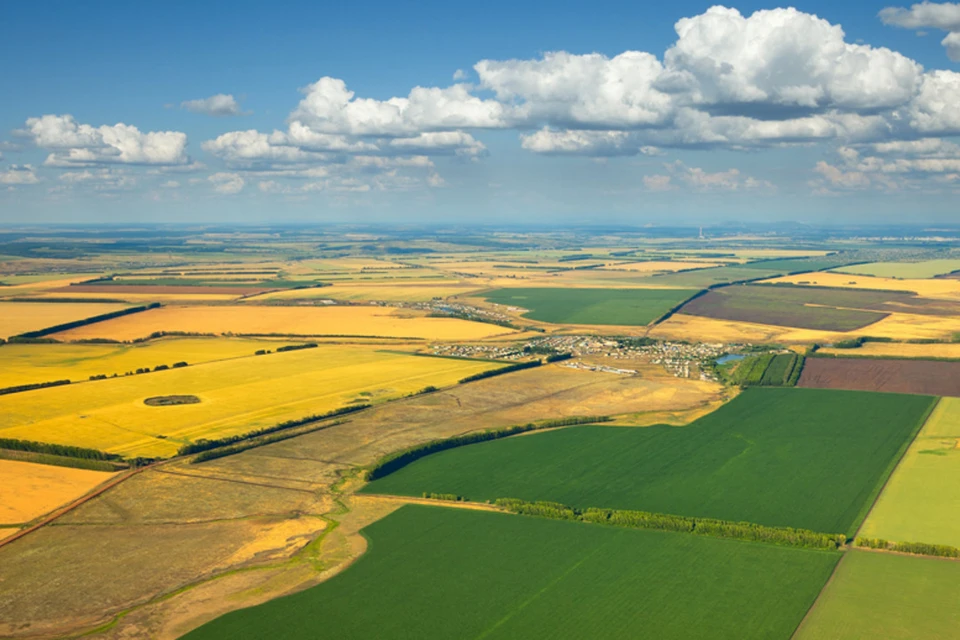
21 317
903 270
681 326
826 309
237 396
27 490
781 457
883 595
591 306
899 350
108 290
945 288
919 503
299 320
385 291
434 572
931 377
660 266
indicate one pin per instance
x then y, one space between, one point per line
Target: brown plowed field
933 377
165 289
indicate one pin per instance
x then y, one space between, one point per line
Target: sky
500 112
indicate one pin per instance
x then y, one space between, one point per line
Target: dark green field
805 458
433 572
592 306
703 278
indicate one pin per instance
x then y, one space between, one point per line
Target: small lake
730 357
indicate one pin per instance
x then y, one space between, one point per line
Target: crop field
385 291
942 288
924 269
899 350
21 317
266 320
591 306
821 308
237 396
35 363
882 595
433 572
703 278
29 490
660 266
919 503
782 457
932 377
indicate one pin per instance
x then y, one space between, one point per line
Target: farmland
438 573
919 502
591 306
237 396
28 490
877 595
940 288
899 350
909 270
263 320
21 317
933 377
733 464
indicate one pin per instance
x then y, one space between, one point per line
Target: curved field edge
576 582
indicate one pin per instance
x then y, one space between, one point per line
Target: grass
919 503
21 317
433 572
882 595
802 458
779 369
636 307
237 396
297 320
924 269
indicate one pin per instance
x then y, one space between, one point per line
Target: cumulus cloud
19 174
929 15
227 183
76 144
222 104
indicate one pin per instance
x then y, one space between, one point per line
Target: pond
730 357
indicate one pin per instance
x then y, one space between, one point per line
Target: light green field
33 363
921 502
925 269
874 596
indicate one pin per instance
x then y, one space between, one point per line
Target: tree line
57 449
40 333
31 387
399 459
917 548
231 449
784 536
502 370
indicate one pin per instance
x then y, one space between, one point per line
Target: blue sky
766 116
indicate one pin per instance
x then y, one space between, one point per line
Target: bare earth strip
239 530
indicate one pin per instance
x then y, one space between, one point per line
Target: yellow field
236 396
901 350
32 363
928 288
20 317
24 286
652 266
29 490
902 326
306 320
384 291
686 327
141 298
924 269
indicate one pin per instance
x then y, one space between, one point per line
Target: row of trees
205 445
57 449
40 333
502 370
399 459
31 387
246 445
784 536
297 347
449 497
918 548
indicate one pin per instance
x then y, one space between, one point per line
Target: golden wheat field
681 327
29 490
20 317
947 289
659 266
296 320
33 363
901 350
236 396
383 291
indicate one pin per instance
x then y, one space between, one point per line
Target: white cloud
227 183
657 183
221 104
438 143
700 180
247 147
76 144
101 180
170 184
944 16
19 174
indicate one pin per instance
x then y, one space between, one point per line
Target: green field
433 572
779 369
591 306
925 269
702 278
893 597
805 458
919 503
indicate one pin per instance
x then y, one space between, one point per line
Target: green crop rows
636 307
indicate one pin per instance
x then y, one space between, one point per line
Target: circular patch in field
168 401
